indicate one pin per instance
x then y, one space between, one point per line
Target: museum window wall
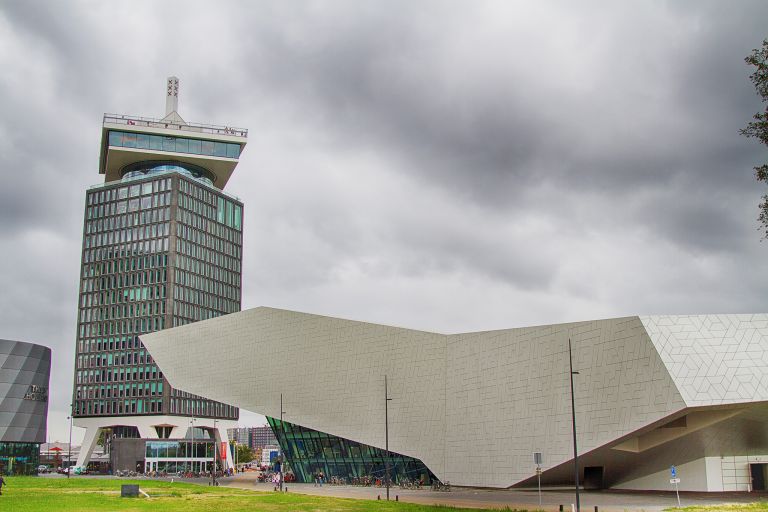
309 452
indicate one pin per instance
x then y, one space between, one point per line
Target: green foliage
244 454
758 127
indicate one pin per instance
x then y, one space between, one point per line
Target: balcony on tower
129 142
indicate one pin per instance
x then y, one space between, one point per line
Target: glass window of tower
174 144
125 275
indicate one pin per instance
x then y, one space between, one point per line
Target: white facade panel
329 371
473 407
714 474
523 397
714 359
692 475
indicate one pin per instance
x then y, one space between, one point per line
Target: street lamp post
194 448
69 456
386 433
282 455
215 449
573 420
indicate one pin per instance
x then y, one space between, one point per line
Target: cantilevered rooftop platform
127 139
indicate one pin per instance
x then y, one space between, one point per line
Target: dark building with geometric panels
162 247
24 373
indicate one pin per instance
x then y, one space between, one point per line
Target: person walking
2 483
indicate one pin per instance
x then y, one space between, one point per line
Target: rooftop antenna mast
172 96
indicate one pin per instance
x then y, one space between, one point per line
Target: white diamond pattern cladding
714 359
509 393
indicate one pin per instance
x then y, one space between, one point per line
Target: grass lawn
761 506
27 494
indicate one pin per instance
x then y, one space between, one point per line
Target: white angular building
652 392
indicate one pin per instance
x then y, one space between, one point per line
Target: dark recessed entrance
758 474
593 477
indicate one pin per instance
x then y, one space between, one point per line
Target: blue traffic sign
673 471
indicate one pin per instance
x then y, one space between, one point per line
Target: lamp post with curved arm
215 449
69 456
194 448
386 433
573 420
282 455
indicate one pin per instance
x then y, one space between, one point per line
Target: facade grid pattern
262 436
157 252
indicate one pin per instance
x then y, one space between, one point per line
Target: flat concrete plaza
608 501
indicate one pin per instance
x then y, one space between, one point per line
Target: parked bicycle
437 485
406 483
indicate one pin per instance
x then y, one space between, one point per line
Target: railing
159 123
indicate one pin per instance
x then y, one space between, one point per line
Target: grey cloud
455 166
478 144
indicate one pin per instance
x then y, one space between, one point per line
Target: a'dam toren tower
162 247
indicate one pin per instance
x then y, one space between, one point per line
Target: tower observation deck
127 140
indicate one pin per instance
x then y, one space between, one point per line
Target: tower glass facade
161 249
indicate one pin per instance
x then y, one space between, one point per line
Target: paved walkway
607 501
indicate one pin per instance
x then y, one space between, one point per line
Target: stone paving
608 501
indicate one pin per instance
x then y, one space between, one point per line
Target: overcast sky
448 166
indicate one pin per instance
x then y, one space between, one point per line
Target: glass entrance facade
180 456
19 458
308 452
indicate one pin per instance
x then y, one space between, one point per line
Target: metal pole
282 455
386 433
194 451
215 449
573 419
538 474
678 495
69 457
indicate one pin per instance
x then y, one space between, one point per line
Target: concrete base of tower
155 428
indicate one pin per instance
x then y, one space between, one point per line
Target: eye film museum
471 408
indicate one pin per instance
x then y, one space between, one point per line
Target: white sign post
675 480
538 460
